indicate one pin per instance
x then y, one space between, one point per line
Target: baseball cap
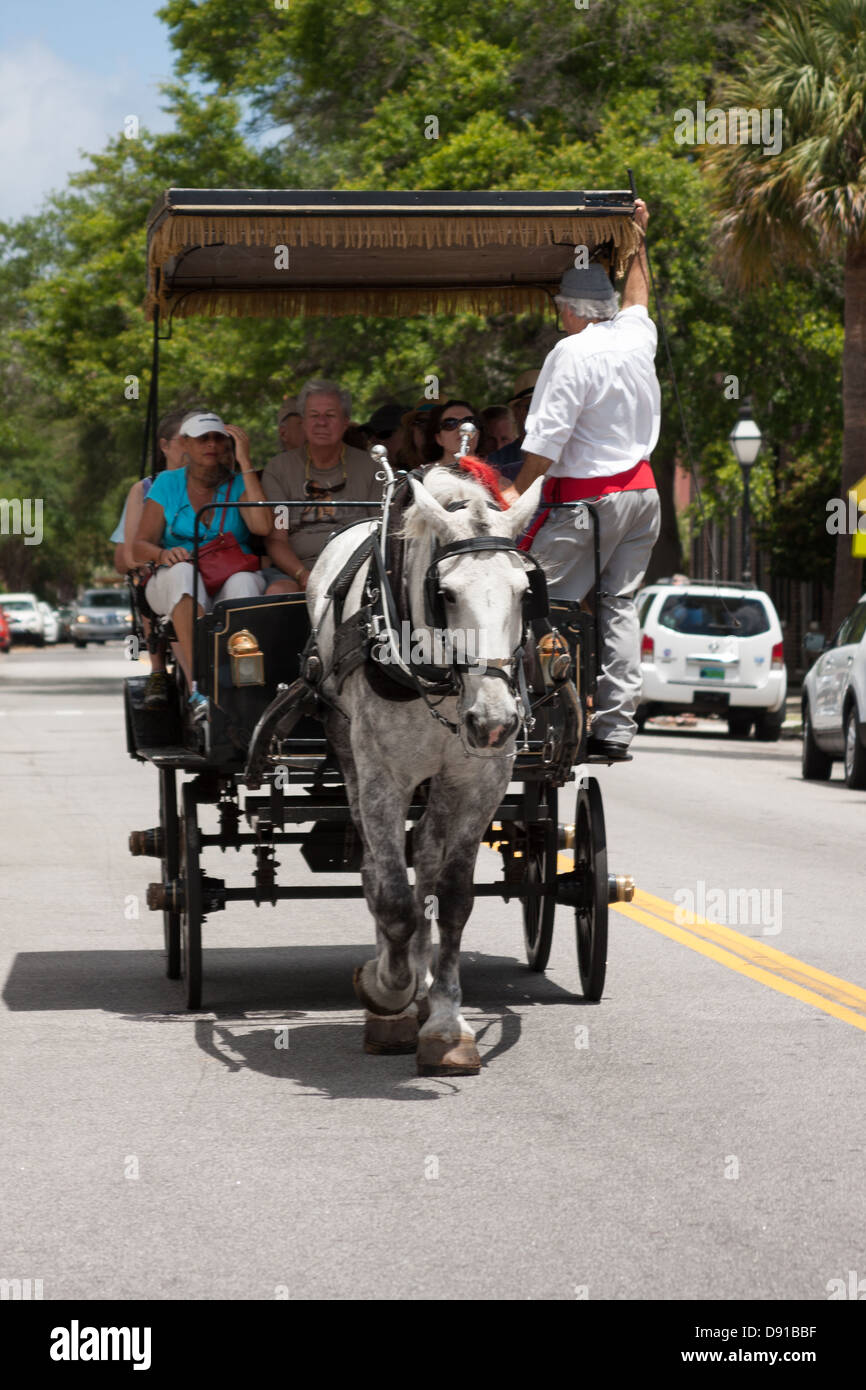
203 422
587 282
388 417
287 407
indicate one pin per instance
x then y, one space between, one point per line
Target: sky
70 72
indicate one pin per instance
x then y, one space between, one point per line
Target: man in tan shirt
321 471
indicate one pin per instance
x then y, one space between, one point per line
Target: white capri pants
170 583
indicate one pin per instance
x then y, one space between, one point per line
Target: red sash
638 477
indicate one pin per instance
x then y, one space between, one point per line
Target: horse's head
470 605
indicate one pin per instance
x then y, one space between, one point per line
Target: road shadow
264 1010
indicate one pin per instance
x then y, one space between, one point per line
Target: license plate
714 673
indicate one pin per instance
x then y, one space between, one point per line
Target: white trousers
628 529
170 583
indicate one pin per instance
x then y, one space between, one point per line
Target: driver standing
592 425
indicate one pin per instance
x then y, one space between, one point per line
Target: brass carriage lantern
248 663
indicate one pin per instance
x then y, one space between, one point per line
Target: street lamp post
745 440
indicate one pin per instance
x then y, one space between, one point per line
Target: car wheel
768 726
855 753
739 723
78 643
640 716
816 765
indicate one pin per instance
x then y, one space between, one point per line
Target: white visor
196 425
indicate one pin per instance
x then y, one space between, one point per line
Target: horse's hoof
390 1036
448 1057
392 1001
423 1007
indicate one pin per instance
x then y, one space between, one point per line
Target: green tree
807 205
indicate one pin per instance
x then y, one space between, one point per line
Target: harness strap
339 587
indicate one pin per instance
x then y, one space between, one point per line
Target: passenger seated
442 431
325 470
165 533
385 426
498 429
290 426
170 456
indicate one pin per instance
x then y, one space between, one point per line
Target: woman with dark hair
443 431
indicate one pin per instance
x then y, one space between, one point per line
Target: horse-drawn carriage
271 759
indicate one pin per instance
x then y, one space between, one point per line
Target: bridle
534 606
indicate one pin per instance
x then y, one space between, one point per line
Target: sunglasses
454 421
382 435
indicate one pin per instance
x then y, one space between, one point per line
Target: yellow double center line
750 957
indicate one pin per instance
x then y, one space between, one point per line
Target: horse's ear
440 522
522 511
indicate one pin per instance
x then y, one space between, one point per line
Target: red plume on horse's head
486 475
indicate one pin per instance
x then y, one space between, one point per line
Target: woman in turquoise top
165 532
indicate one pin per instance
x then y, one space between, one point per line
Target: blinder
535 600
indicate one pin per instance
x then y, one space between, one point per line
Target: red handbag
222 557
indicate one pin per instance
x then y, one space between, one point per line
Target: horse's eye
449 595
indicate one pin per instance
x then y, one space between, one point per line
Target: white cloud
51 111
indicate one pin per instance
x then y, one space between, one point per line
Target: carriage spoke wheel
541 854
190 918
590 865
170 827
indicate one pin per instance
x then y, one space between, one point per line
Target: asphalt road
697 1134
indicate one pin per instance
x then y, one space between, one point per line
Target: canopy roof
224 251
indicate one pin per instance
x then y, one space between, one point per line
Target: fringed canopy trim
375 303
177 233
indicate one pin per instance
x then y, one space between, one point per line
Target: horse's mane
476 484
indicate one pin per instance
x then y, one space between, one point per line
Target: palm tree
807 204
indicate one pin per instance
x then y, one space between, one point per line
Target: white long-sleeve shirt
596 407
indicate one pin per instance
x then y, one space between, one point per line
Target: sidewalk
793 725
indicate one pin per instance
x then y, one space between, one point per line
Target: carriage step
173 755
148 842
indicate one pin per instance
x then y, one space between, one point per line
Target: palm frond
810 198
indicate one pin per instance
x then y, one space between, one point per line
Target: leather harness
358 638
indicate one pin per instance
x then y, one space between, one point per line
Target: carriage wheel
170 828
190 920
590 916
541 854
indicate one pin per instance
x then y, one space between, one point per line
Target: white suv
712 648
834 704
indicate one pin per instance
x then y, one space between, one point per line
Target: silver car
834 704
101 615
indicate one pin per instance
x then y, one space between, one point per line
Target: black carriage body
280 625
423 252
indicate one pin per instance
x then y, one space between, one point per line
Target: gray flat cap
591 283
